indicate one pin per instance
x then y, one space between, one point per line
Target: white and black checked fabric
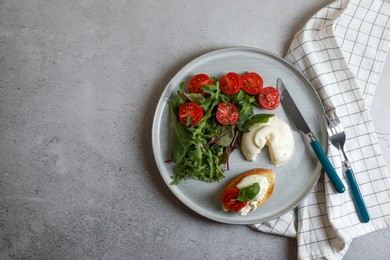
342 50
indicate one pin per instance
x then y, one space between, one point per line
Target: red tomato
197 82
230 84
191 110
227 113
229 200
269 98
252 83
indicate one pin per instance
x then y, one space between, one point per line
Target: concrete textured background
79 82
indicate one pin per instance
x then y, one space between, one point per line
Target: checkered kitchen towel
342 50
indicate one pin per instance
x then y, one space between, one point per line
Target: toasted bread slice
260 171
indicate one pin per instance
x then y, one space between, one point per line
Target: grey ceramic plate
293 180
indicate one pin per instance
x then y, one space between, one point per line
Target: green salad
207 124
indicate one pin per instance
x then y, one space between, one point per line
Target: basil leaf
257 119
249 193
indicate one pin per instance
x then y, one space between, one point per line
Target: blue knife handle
359 202
328 167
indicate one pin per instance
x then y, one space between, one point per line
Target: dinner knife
300 123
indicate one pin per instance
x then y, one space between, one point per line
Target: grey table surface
79 83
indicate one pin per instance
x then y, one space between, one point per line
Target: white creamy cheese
276 134
248 181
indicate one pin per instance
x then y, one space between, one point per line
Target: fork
337 138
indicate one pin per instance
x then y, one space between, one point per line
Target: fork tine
331 124
341 128
333 127
334 123
327 124
336 117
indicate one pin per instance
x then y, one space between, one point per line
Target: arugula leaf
181 137
180 98
248 193
246 103
194 97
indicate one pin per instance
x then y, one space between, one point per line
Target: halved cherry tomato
252 83
230 84
229 200
192 111
227 113
197 82
269 98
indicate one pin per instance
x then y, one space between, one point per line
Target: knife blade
296 117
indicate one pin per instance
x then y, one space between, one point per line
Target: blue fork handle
359 202
328 167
